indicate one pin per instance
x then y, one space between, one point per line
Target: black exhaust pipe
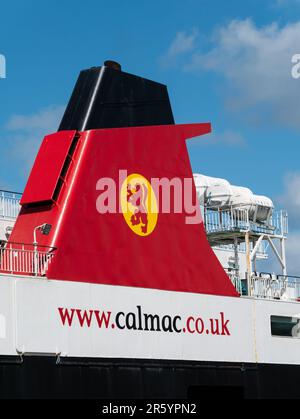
107 97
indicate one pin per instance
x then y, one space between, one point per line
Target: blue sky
224 62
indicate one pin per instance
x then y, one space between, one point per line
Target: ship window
285 326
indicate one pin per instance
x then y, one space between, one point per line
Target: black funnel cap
106 97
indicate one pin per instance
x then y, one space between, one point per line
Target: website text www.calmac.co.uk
138 320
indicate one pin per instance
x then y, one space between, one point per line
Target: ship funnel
106 97
118 128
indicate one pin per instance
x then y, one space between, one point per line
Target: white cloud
228 138
293 253
292 249
183 43
46 120
287 3
290 199
23 134
255 63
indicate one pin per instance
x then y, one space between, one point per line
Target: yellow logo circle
139 204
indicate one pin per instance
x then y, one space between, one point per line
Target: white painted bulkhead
227 259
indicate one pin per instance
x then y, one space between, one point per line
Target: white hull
31 323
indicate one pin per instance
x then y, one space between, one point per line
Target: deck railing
276 287
9 204
22 259
235 279
217 220
267 285
262 252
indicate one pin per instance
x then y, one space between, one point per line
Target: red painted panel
47 167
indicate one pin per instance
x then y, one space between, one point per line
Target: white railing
225 220
262 252
219 220
23 259
279 221
275 287
269 286
9 204
235 279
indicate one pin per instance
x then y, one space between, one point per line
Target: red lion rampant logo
137 196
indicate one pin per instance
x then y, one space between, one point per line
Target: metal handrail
27 245
11 192
261 252
268 286
233 274
237 218
22 259
9 204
